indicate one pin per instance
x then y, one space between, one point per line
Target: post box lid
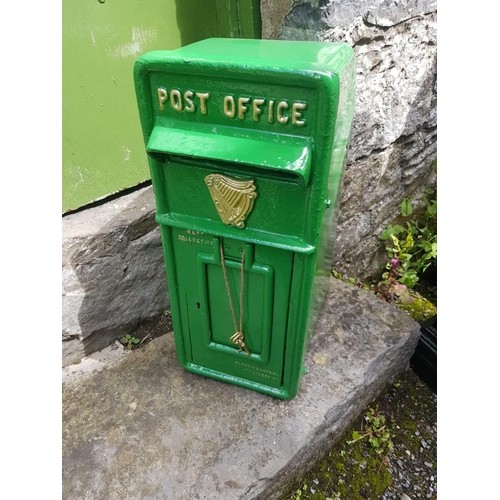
286 55
300 77
290 155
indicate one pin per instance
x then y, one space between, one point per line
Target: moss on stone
409 425
419 308
340 467
355 471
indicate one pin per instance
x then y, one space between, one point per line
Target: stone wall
392 150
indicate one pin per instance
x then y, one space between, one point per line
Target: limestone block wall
392 152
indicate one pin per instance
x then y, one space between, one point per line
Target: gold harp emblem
233 199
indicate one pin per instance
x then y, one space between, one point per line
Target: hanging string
238 337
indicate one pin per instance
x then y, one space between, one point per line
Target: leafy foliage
376 431
411 250
411 246
129 341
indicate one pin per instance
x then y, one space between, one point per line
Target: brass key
238 339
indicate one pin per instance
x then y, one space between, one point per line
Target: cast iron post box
246 142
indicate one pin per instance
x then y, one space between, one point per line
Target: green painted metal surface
102 143
246 141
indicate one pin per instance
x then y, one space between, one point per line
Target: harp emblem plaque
232 198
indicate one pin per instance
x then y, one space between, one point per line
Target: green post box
246 141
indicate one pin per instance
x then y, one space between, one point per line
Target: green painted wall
102 142
103 151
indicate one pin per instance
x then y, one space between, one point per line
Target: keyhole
198 305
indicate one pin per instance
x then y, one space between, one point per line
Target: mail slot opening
227 166
284 155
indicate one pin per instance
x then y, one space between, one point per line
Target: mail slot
246 142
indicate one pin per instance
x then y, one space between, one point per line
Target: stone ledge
148 429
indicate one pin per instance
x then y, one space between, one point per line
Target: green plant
412 245
376 431
350 280
411 249
129 341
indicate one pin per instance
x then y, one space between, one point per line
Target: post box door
210 319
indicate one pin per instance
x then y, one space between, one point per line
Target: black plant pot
424 360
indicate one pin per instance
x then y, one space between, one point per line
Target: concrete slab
147 429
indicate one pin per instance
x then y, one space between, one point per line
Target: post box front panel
205 307
284 110
270 111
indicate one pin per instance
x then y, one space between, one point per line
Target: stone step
147 429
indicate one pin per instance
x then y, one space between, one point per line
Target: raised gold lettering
176 100
189 104
203 97
270 111
242 107
229 106
280 117
282 111
256 111
297 118
162 97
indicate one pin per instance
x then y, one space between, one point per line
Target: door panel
267 276
257 291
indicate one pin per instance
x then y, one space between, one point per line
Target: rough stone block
113 273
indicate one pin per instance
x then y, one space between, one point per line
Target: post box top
278 54
265 110
228 99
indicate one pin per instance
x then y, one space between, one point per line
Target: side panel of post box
304 264
342 131
312 286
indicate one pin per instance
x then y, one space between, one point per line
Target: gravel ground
412 462
395 458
